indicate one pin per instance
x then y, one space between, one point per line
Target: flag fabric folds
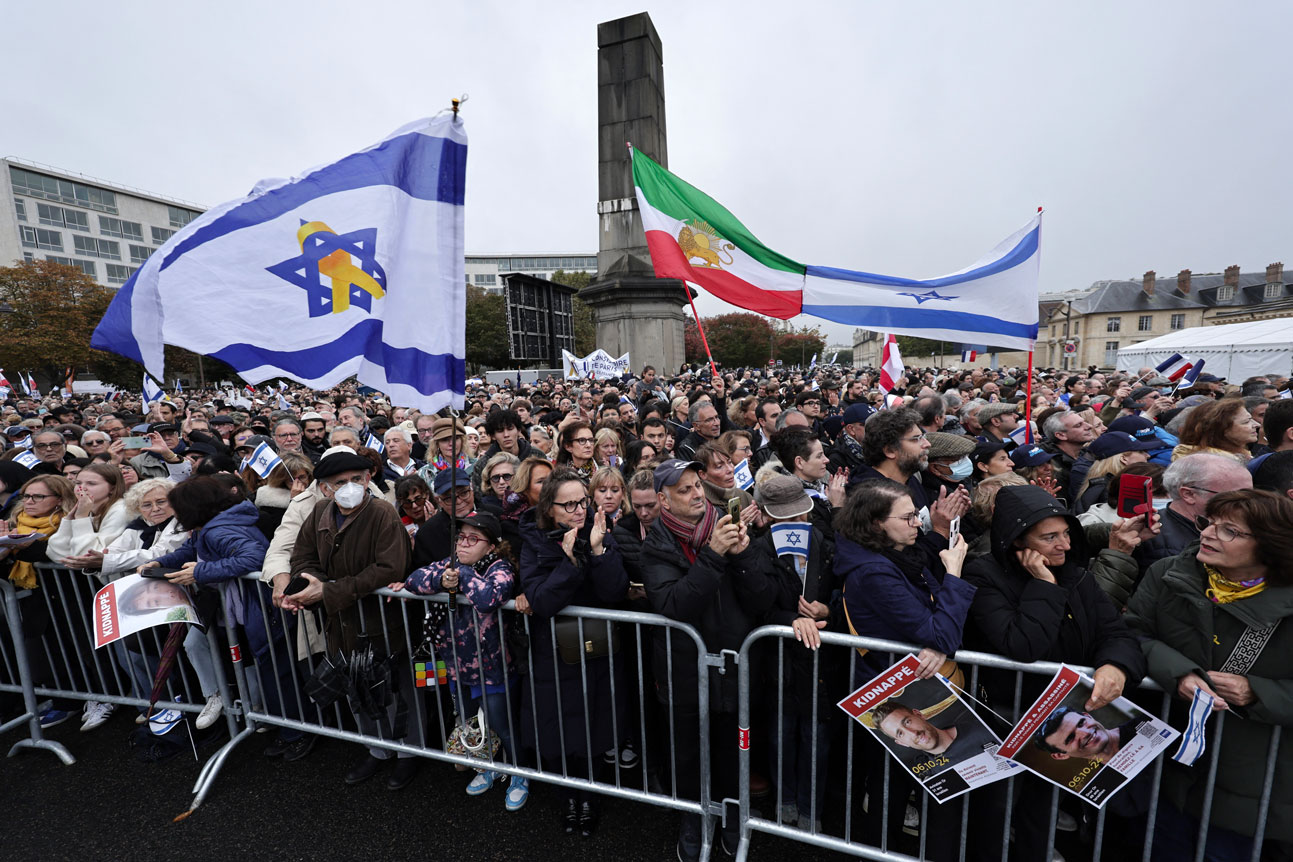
152 392
1191 374
373 443
792 537
31 385
693 237
890 364
1175 366
743 476
263 460
352 268
970 352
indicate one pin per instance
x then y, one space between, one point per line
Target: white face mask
349 495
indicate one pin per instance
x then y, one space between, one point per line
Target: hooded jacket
1026 619
228 546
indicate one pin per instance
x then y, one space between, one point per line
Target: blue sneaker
52 717
481 783
518 793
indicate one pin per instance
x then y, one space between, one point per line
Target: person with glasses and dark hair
1214 620
576 446
455 499
707 425
569 558
1191 483
509 434
50 447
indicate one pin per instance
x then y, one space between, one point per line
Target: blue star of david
922 298
793 538
303 270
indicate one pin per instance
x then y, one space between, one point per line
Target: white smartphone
953 530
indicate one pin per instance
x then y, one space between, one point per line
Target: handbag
598 640
474 738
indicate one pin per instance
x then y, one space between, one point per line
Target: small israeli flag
744 478
282 402
373 443
152 392
1020 434
264 460
27 459
1195 740
792 537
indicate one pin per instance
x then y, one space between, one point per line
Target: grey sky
906 139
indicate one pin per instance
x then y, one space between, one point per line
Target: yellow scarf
23 574
1223 591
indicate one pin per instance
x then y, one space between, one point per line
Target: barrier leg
36 739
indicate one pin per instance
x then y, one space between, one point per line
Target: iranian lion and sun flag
694 238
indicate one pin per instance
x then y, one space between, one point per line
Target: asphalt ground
111 806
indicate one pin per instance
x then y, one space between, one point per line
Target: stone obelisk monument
635 312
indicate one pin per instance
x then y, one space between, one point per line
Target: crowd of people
931 520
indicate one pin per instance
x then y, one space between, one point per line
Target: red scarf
692 536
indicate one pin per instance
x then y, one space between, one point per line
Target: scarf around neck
23 573
1223 591
692 536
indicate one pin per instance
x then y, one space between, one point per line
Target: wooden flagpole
713 369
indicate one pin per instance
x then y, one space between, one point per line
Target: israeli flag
1020 434
993 301
152 392
282 402
264 460
812 363
27 459
1195 739
373 443
792 537
352 268
744 478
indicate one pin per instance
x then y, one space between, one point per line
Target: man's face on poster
909 729
1079 735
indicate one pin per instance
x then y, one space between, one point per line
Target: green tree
54 309
737 339
912 348
487 341
845 357
797 348
585 327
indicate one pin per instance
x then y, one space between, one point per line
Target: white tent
1234 351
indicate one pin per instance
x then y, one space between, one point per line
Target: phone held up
734 509
1135 496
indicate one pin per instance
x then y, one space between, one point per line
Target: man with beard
314 436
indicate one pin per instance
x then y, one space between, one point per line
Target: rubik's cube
424 674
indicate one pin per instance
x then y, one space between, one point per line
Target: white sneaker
95 714
1066 822
911 820
210 712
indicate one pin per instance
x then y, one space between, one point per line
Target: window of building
486 278
46 240
121 229
1076 324
36 185
20 208
91 247
85 266
28 257
1113 324
161 235
1273 289
59 217
1178 321
1111 353
1145 323
1225 293
180 216
140 253
119 273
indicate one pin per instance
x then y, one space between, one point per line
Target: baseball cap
858 412
1030 456
1112 443
486 523
163 428
1137 426
446 479
669 472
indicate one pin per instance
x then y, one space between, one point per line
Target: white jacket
77 536
128 553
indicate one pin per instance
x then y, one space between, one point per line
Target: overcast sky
900 138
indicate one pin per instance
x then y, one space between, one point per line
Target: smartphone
135 442
734 509
295 585
953 530
159 572
1135 495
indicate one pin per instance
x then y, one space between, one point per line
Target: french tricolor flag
969 352
1191 374
1175 366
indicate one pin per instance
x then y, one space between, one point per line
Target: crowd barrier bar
18 670
971 662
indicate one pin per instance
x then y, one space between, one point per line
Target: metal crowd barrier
844 839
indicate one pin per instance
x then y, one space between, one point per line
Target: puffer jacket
1026 619
486 589
229 546
1187 633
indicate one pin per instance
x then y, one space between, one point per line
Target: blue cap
858 412
446 479
1030 456
1112 443
1137 426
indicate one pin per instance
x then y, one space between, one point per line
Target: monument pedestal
640 316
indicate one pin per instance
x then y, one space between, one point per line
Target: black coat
1177 534
1026 619
722 597
551 582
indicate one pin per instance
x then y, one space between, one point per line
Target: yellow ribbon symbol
338 267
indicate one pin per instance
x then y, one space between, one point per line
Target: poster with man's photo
928 729
134 603
1089 753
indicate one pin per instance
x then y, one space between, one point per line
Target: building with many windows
483 270
104 229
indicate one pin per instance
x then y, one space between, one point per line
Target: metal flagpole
1028 403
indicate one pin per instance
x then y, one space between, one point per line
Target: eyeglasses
1204 490
573 506
414 501
812 404
32 498
48 447
499 478
916 438
286 435
582 440
913 518
467 540
1225 532
460 494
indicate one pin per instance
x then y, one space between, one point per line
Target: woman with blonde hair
610 496
608 448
